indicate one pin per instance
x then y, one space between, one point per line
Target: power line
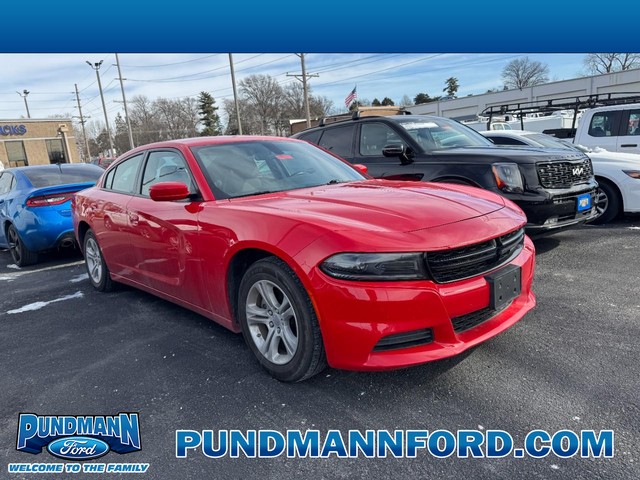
170 64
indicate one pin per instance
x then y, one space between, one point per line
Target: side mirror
168 191
361 168
393 150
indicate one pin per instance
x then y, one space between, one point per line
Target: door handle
629 145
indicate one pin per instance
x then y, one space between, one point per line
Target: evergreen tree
375 103
451 86
208 115
386 101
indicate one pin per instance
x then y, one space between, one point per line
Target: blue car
35 207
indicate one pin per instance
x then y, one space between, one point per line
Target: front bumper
550 210
354 317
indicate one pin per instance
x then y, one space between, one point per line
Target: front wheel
21 255
97 269
607 203
279 322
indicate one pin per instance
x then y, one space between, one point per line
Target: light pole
96 66
124 101
24 97
235 93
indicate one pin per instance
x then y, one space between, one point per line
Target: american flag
351 97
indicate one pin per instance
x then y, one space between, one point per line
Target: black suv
556 189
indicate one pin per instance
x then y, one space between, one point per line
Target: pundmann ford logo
79 437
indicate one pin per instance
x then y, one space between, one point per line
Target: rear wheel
21 255
608 203
97 269
279 322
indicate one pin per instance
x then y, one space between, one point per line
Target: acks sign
7 130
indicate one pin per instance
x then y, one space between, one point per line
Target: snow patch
80 278
14 266
38 305
634 228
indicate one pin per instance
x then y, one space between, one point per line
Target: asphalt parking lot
572 363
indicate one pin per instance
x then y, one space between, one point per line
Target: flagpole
357 104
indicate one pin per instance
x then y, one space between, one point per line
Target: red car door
164 233
109 215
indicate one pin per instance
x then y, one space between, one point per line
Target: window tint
604 124
124 177
50 176
108 180
633 127
507 141
375 136
338 140
6 182
165 167
311 137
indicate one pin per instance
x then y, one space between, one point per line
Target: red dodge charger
310 259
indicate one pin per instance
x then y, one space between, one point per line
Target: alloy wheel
272 322
602 201
94 260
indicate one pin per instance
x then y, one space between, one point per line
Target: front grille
404 340
564 174
460 263
473 319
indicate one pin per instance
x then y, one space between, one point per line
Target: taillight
48 200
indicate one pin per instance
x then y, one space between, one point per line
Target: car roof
214 140
372 118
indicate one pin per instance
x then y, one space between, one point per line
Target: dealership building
37 142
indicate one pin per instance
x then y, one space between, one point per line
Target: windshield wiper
334 182
262 192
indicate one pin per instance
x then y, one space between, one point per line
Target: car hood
500 153
377 205
605 158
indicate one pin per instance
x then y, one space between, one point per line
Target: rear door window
311 137
125 175
338 140
605 124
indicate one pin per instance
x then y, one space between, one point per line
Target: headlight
633 173
376 267
508 177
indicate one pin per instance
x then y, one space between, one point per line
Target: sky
50 78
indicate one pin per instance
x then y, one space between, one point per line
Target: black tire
21 255
608 202
99 274
301 323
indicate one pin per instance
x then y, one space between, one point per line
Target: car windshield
439 133
49 177
241 169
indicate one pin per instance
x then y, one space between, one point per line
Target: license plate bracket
504 286
583 202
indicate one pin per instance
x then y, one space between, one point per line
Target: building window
16 154
56 152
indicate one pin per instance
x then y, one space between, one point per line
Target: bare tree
611 62
522 72
405 101
264 95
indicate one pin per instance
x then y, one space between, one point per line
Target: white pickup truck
615 128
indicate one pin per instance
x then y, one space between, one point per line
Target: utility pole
24 97
82 122
124 100
304 86
96 66
235 93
